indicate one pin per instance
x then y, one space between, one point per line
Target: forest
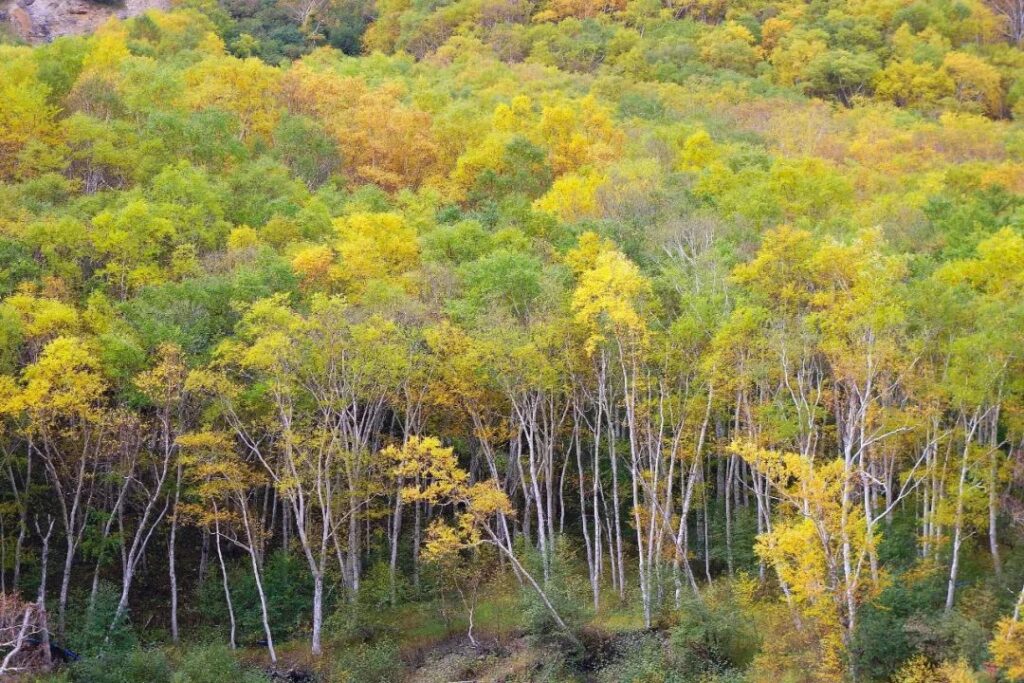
624 341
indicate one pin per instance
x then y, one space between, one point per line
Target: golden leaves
165 382
65 381
440 481
1007 648
247 88
609 301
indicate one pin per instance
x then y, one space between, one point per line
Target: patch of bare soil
510 662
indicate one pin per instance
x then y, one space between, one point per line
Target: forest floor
490 662
433 643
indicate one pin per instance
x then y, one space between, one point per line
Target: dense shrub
136 666
567 590
213 664
715 633
363 663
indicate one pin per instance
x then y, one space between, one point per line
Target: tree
27 118
164 385
475 505
225 487
247 88
1012 14
976 84
70 429
841 74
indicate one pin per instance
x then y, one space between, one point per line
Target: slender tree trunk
22 519
954 566
264 614
416 532
44 563
728 513
993 496
224 577
318 613
959 516
496 541
591 565
172 572
396 532
65 583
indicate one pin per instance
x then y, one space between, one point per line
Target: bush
640 659
569 593
903 619
137 666
89 627
212 664
363 663
714 634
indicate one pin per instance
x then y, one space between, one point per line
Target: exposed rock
20 21
38 21
295 675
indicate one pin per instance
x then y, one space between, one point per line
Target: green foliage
562 236
134 666
306 148
212 664
91 634
640 659
377 663
288 589
567 590
715 633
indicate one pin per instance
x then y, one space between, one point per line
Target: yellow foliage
488 154
976 82
998 268
440 481
913 84
25 115
64 383
109 48
241 238
572 197
920 670
247 88
515 116
609 301
320 94
315 265
43 318
698 150
588 247
386 142
1007 648
556 10
816 526
433 466
730 46
165 382
773 30
375 246
579 134
781 270
791 58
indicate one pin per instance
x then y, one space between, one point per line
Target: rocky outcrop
39 21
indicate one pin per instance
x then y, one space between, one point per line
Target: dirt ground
512 662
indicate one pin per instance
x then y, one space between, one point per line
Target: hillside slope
647 340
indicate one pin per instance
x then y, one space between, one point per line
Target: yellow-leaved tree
440 481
